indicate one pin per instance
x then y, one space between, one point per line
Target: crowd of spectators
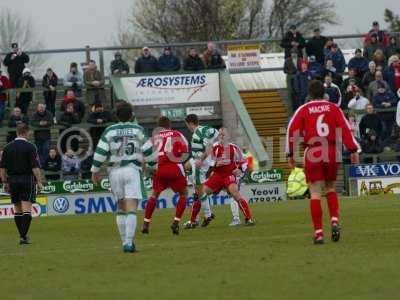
369 84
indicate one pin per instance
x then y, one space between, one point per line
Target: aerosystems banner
89 203
38 209
172 89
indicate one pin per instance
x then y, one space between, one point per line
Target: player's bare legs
333 205
316 210
148 213
180 209
243 205
126 222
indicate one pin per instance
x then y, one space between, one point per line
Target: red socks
244 207
316 214
196 206
150 206
180 208
333 205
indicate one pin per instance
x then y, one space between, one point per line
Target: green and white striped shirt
203 137
123 144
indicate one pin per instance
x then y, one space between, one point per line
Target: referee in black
20 174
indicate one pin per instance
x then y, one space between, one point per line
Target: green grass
79 257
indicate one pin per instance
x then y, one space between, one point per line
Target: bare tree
14 28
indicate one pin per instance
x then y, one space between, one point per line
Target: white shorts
199 175
126 183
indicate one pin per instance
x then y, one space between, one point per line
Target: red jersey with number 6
322 127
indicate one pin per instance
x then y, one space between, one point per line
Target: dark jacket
301 85
193 63
26 81
390 77
371 147
94 116
346 83
392 49
367 79
338 60
316 70
79 108
213 60
315 46
288 39
169 63
387 96
68 119
290 67
42 134
93 75
118 66
359 64
13 121
370 49
46 82
52 164
370 122
15 66
334 94
147 64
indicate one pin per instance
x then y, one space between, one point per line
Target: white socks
235 209
130 227
206 207
121 223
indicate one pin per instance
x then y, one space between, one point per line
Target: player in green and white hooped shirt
203 138
126 149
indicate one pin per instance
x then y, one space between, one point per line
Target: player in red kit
172 150
228 165
322 128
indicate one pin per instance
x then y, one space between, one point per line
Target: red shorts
169 176
320 171
217 182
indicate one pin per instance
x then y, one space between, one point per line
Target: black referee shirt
19 158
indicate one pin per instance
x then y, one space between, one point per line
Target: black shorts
22 188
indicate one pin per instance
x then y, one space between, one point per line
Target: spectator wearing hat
146 63
25 98
212 58
359 63
393 48
392 73
331 71
79 107
293 40
372 46
50 82
193 62
385 98
42 119
94 82
15 62
315 68
369 76
100 118
315 46
336 55
118 66
358 103
16 118
5 84
168 62
332 90
73 80
381 36
301 81
373 86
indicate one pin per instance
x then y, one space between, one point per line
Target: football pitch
79 257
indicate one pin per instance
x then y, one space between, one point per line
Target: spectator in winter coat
69 116
293 40
359 63
193 62
94 82
331 71
386 99
168 62
371 144
15 62
358 103
49 82
15 119
118 66
372 46
301 85
381 36
373 86
315 68
393 48
290 68
25 98
98 117
70 164
5 84
391 73
212 58
42 120
351 77
337 58
369 76
315 46
333 91
74 80
79 107
52 163
379 58
146 63
370 121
